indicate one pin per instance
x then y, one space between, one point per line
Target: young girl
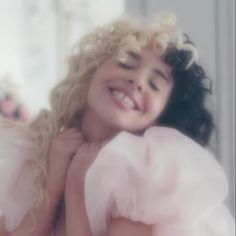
102 161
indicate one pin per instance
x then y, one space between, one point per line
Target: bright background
36 37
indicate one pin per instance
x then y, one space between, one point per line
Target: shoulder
166 134
16 173
150 179
171 142
155 135
15 136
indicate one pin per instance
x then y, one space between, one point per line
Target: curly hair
186 110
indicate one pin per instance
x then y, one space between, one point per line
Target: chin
123 126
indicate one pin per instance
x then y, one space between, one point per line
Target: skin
63 148
146 80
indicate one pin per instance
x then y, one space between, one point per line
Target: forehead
147 55
147 58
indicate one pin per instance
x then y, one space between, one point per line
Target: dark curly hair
186 110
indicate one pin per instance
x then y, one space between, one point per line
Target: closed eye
153 86
125 65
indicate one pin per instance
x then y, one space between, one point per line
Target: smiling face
129 95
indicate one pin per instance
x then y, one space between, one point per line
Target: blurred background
36 38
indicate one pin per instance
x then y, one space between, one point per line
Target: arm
77 223
125 227
39 221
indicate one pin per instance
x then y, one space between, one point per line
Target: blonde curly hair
68 98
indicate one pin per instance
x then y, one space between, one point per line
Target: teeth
129 102
126 99
118 94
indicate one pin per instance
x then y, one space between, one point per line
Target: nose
137 81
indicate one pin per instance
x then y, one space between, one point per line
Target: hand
63 148
84 157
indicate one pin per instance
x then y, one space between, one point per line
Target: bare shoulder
126 227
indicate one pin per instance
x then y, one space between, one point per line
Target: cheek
156 105
92 94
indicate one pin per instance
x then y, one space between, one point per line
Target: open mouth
124 99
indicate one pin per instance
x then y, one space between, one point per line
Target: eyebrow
158 72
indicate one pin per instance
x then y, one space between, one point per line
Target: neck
95 129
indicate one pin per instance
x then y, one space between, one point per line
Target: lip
127 93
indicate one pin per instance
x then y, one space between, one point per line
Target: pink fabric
162 179
16 176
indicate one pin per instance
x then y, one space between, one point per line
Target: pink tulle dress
163 179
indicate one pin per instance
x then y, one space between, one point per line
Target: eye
126 65
153 86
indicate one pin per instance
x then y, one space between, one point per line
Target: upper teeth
126 99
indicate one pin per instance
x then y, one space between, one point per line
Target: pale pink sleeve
163 179
16 177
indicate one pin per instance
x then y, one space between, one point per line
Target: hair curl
185 111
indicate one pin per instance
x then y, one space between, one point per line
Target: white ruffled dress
163 179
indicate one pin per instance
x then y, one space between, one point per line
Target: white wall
11 42
27 47
36 37
76 18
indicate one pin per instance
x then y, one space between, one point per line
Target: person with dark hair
120 152
187 110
